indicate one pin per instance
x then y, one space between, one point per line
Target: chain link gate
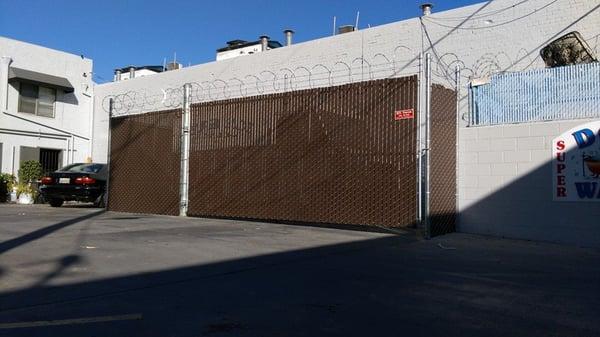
327 155
442 211
144 163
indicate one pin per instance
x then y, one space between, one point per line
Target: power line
99 79
432 46
496 25
482 15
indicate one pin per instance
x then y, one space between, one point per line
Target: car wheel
56 202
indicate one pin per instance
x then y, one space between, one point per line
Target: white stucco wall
486 38
505 186
73 111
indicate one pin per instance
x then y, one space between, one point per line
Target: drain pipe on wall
72 149
185 153
5 62
68 149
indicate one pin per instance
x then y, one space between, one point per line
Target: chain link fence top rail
570 92
327 155
144 163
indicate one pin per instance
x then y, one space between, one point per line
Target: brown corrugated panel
145 162
443 161
328 155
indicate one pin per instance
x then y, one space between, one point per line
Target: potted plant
29 172
7 182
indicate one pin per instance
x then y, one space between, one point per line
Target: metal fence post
426 150
111 103
419 144
185 153
457 80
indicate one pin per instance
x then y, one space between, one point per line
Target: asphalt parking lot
80 271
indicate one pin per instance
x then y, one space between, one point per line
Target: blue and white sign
576 164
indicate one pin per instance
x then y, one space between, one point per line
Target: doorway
50 160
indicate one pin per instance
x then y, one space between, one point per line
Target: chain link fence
562 93
330 155
144 163
442 211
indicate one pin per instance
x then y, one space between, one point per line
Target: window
37 100
85 168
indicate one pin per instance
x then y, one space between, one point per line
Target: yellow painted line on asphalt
83 320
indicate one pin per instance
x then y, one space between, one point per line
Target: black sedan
81 182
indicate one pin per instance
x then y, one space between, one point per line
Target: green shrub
30 171
26 189
7 182
8 179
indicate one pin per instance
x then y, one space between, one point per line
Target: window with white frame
37 100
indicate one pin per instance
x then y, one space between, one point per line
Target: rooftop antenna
334 18
357 17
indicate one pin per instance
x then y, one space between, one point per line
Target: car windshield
85 168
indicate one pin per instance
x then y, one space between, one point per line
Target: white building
130 72
236 48
46 103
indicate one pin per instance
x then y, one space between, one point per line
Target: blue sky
118 33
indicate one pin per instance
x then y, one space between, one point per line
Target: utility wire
445 67
482 15
99 79
496 25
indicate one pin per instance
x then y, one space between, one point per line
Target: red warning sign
404 114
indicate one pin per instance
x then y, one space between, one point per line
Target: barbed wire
263 82
300 78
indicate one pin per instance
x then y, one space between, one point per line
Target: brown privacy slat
443 161
327 155
145 161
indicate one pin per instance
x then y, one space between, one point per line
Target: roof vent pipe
346 29
426 8
117 75
131 72
288 36
264 42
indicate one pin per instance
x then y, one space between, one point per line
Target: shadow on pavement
391 286
40 233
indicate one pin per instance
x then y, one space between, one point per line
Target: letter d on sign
574 153
584 138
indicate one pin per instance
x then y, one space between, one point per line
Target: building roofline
83 58
158 69
237 44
